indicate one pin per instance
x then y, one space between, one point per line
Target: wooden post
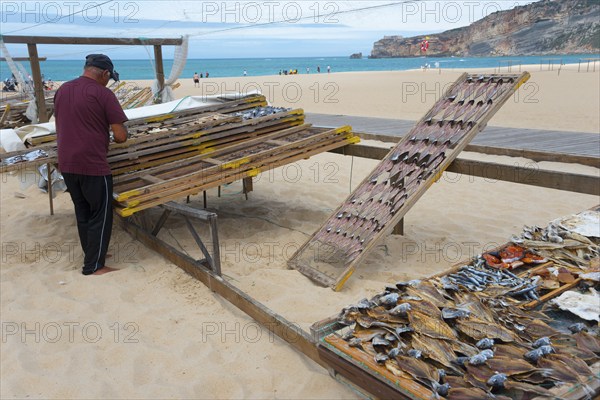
247 186
399 228
160 74
37 82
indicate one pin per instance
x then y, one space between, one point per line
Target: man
84 110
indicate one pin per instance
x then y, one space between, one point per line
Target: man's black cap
103 62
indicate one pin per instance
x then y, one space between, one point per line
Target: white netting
20 75
179 60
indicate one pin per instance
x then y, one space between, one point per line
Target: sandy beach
152 331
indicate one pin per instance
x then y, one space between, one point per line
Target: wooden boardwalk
575 143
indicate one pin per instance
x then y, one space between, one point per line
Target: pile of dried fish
560 245
466 345
495 282
260 112
32 155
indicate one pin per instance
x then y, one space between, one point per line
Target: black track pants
92 197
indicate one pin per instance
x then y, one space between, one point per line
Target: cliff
542 28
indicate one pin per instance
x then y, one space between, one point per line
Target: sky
237 29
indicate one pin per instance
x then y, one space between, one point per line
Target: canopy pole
37 83
160 74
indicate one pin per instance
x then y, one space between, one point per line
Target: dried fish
560 371
485 343
394 368
546 350
538 329
415 353
418 369
510 366
442 390
401 309
435 349
379 341
380 358
577 364
583 354
528 388
463 348
467 394
478 359
431 327
509 350
423 306
543 341
533 355
451 313
578 327
395 352
587 342
497 380
479 329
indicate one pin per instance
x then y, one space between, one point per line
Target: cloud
352 25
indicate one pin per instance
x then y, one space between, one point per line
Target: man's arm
119 132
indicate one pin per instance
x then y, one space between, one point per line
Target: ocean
61 70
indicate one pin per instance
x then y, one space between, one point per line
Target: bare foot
104 270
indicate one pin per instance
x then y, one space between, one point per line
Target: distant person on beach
201 75
318 69
245 73
308 70
328 69
84 110
196 80
206 75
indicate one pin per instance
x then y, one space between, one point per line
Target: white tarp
13 139
586 223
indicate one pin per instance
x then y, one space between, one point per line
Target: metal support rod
216 249
49 168
209 259
161 222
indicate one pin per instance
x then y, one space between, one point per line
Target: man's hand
119 132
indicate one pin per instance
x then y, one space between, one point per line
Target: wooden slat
90 40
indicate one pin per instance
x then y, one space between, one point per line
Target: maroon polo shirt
84 111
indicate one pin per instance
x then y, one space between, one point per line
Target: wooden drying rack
430 147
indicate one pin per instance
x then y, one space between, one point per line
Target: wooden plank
361 369
577 183
286 330
23 58
552 294
536 155
494 140
90 40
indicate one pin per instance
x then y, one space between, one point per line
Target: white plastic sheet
13 139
